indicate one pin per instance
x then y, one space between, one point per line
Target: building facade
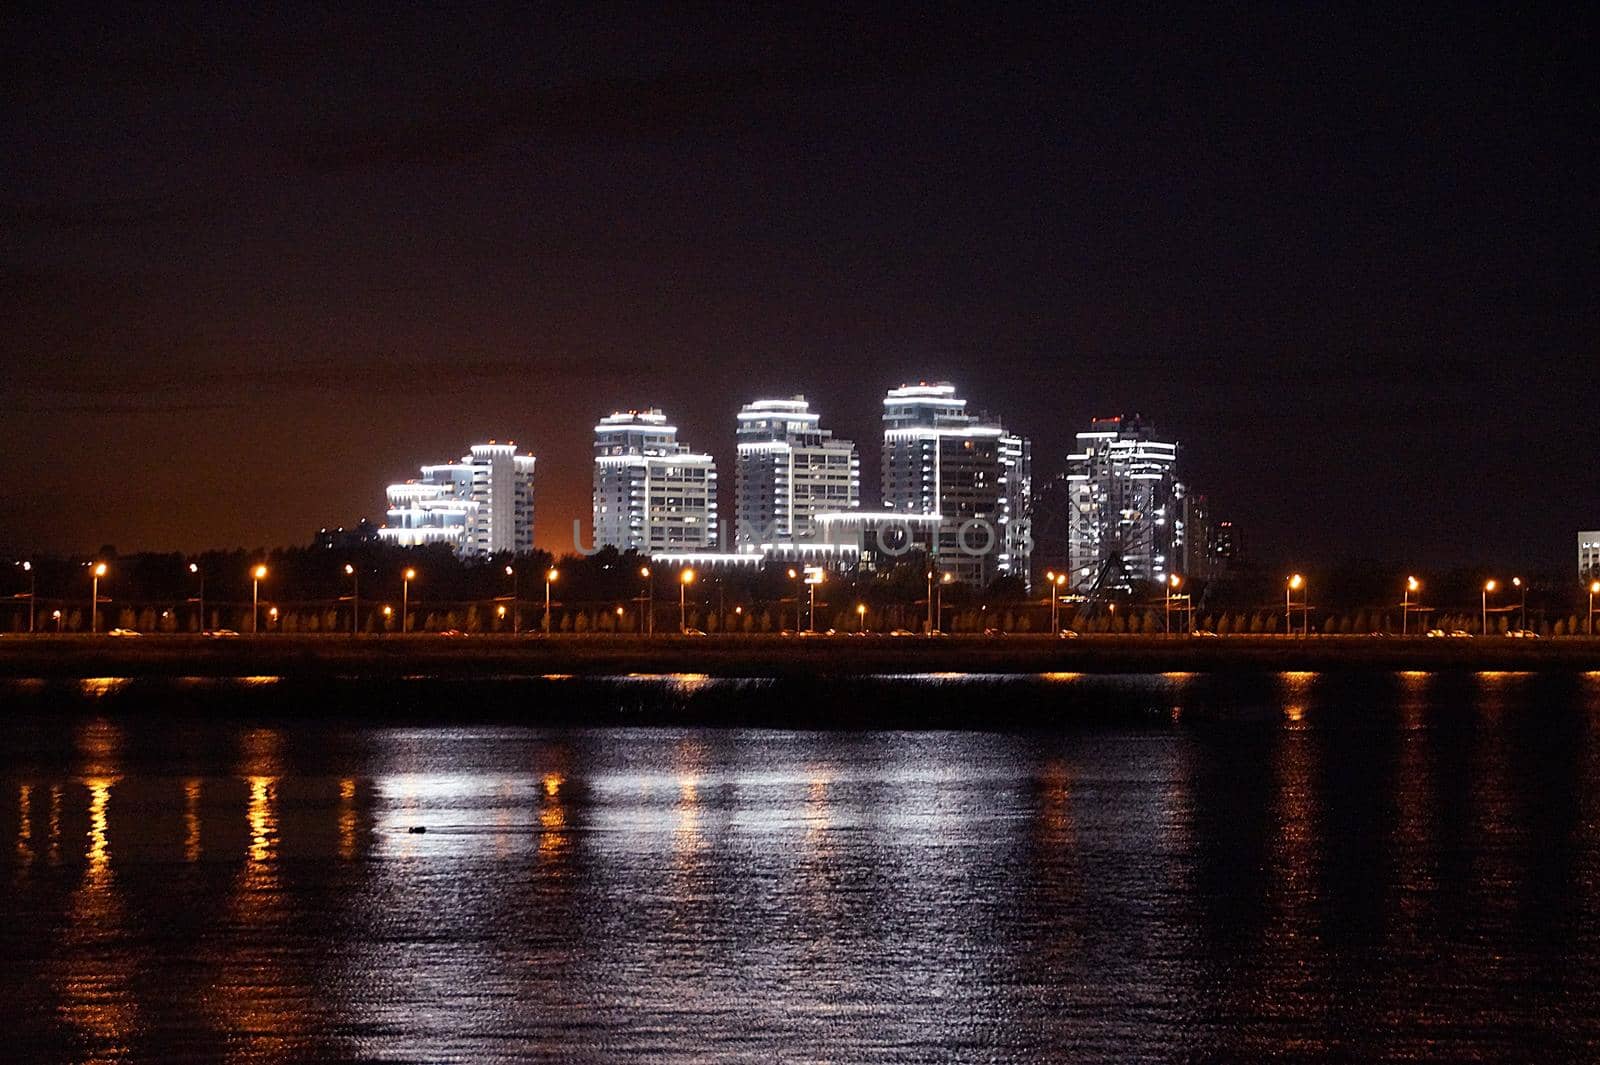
1589 555
651 493
941 460
1126 522
789 470
479 505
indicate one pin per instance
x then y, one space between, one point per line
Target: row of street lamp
811 576
1297 583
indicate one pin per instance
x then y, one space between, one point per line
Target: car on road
124 632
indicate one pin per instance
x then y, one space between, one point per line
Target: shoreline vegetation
764 656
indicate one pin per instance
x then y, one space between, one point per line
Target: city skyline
1351 257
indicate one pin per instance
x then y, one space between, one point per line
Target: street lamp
793 576
944 579
1522 620
1594 590
648 622
1173 581
516 600
1296 583
355 599
405 600
1412 585
55 615
200 600
27 567
550 576
258 575
1488 586
685 579
814 578
388 616
100 570
861 613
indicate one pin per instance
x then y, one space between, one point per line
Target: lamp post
1522 619
1488 586
27 567
200 600
1296 582
648 622
931 625
1050 582
861 614
405 599
944 579
257 575
388 616
812 580
1412 584
55 615
516 599
685 579
100 570
795 576
1173 581
1594 590
355 599
550 576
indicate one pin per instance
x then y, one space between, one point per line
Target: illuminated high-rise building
1127 507
651 493
1589 555
479 505
789 470
938 459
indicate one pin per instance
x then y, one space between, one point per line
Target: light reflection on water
1208 890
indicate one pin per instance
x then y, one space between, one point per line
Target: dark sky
255 266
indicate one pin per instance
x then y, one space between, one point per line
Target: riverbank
762 656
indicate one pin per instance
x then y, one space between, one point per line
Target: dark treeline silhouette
307 590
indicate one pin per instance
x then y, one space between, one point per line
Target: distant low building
480 505
342 539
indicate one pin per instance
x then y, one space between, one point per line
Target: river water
1287 867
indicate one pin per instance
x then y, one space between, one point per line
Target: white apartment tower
938 459
651 493
1589 555
1127 507
480 505
789 470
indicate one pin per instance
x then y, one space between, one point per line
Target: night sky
255 267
